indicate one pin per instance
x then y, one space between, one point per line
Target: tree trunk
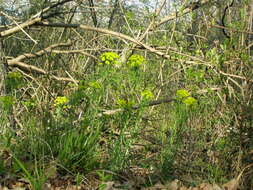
2 69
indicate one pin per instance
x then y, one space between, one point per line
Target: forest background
133 94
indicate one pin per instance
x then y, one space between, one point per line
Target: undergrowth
74 133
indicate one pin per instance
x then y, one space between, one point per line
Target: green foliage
104 177
95 85
14 80
6 102
78 96
196 75
36 179
30 104
78 149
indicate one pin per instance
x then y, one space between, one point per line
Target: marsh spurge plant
185 97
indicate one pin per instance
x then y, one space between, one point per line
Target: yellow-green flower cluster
182 94
109 58
185 97
61 101
190 101
147 94
125 104
135 60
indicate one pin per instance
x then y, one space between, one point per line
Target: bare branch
17 62
118 35
33 69
26 67
13 20
74 51
39 53
19 27
232 29
151 103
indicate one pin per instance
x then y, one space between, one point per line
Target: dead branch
118 35
74 51
39 53
36 18
17 62
33 69
123 36
151 103
101 30
37 21
26 67
231 29
64 79
19 27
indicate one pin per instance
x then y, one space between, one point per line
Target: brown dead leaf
47 186
72 187
216 187
174 185
109 185
183 188
18 185
231 185
3 188
19 188
157 186
206 186
193 188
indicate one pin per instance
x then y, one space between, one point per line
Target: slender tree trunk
2 69
250 26
113 13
